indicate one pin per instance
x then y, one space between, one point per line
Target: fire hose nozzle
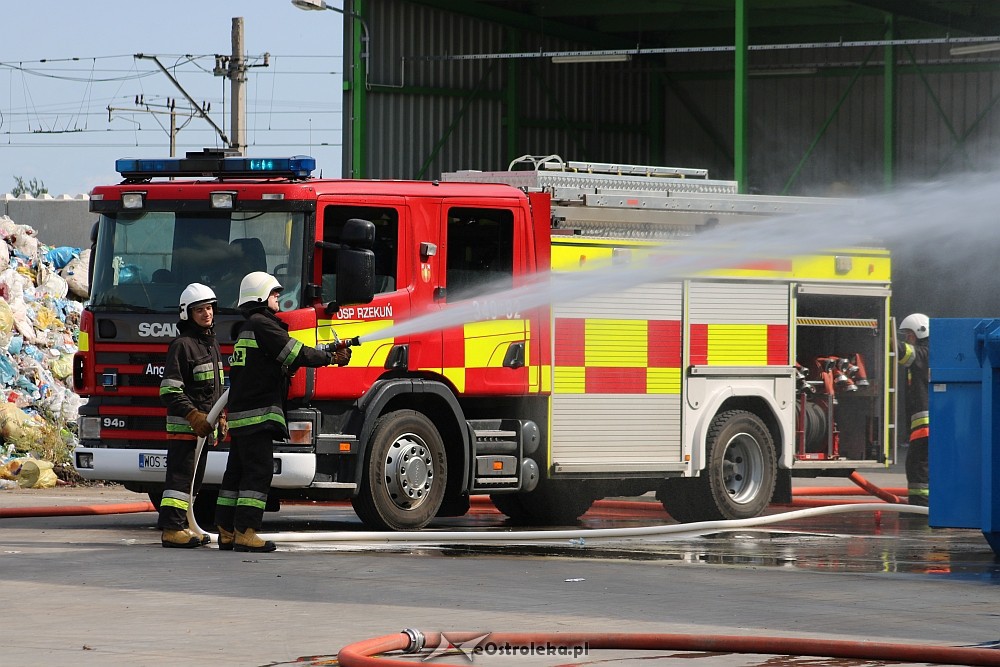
348 342
344 343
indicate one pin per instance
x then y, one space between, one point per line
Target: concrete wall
59 221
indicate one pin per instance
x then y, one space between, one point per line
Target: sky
67 61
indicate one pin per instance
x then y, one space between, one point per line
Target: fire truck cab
710 388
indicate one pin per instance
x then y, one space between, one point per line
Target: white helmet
193 295
918 323
256 287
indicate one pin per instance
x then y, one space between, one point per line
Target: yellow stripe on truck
616 343
663 380
571 380
737 344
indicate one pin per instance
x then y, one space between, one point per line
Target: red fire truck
711 389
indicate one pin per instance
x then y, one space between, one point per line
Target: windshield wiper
128 307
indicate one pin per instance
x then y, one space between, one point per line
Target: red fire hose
75 510
872 489
366 652
483 503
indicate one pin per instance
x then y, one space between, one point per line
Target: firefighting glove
199 423
338 357
342 357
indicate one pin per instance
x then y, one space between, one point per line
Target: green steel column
740 121
889 107
355 87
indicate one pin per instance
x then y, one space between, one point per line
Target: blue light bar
212 164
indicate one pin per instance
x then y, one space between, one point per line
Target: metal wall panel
635 431
652 301
623 432
426 114
737 303
675 109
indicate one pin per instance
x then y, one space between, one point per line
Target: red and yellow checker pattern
625 356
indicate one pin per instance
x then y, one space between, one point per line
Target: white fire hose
532 536
213 418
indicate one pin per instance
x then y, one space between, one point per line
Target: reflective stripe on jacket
264 357
915 358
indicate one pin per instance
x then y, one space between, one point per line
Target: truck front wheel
405 473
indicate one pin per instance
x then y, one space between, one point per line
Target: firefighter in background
913 353
192 383
263 360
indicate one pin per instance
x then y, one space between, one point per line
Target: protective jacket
915 359
264 357
193 378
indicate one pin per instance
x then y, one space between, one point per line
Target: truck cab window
480 252
145 259
386 221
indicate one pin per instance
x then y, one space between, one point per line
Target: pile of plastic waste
42 290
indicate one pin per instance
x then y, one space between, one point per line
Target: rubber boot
226 538
203 538
179 539
247 540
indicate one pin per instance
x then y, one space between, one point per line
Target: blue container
965 426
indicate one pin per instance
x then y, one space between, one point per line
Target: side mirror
355 276
358 233
93 252
355 265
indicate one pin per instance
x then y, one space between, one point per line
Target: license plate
148 461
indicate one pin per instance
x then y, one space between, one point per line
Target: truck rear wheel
406 472
739 476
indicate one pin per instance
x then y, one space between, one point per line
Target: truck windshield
144 260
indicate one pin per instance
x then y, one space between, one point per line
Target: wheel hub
743 468
409 471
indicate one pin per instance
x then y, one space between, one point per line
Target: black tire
406 472
510 505
740 472
555 503
679 498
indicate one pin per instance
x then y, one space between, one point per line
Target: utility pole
238 77
169 108
234 67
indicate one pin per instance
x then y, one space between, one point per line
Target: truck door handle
515 355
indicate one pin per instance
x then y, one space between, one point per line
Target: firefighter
263 360
192 383
914 334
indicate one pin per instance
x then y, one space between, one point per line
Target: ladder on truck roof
640 201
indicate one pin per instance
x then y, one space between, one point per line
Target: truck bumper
122 465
